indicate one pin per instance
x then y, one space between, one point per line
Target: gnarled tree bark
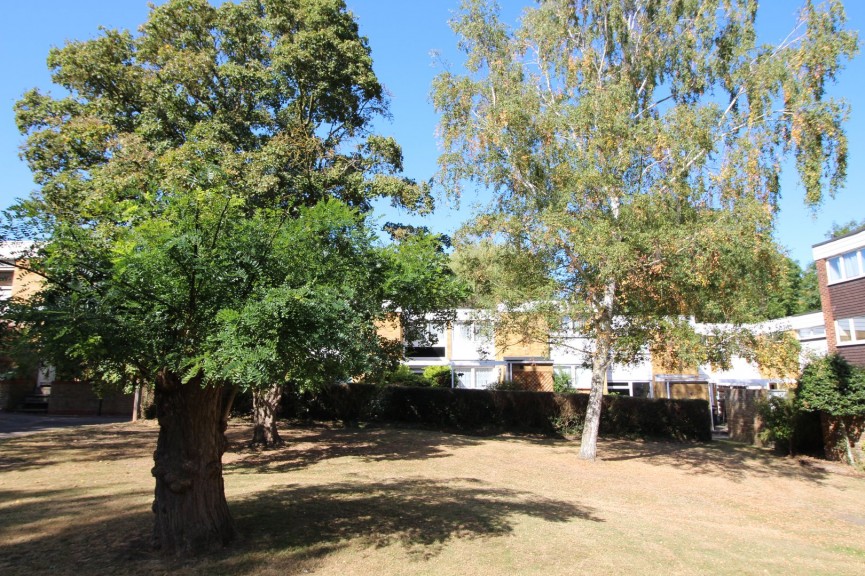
192 514
265 405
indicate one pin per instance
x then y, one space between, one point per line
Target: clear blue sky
402 34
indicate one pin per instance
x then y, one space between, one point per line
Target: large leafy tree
200 222
634 150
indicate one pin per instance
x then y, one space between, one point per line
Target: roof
10 251
852 233
841 245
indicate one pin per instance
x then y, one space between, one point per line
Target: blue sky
404 35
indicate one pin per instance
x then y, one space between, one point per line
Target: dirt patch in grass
401 501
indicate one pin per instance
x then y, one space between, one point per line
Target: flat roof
853 233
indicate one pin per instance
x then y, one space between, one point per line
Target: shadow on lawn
306 446
420 514
729 460
85 444
285 530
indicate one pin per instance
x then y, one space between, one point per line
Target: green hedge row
478 410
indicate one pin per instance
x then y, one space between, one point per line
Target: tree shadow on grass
420 514
306 446
284 530
75 445
729 460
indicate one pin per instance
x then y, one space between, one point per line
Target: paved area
16 424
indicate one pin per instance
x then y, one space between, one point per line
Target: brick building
841 276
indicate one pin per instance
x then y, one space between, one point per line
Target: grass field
383 501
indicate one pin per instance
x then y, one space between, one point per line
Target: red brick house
841 276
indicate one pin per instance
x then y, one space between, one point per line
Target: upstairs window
850 330
812 332
846 266
6 279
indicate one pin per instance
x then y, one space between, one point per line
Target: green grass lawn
397 501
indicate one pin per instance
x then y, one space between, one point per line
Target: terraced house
841 276
481 358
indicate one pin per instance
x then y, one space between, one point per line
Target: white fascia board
13 250
839 246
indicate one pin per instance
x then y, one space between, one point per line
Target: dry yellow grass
397 501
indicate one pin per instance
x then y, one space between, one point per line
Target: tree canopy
634 152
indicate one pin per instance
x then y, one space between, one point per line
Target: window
846 266
6 279
811 333
473 331
467 331
427 342
634 389
850 330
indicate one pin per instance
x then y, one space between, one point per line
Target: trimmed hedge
474 410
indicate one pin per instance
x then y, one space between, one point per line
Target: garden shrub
561 383
832 386
778 416
403 376
439 376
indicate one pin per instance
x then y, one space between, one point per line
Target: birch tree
633 149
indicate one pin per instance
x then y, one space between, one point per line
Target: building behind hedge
481 359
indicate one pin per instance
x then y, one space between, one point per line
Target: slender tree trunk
600 364
191 511
136 403
265 405
848 445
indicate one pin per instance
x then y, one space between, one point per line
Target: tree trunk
848 444
191 511
600 364
136 403
265 404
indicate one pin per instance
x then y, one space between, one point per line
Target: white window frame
6 289
842 269
850 328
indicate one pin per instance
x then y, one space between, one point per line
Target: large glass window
859 329
850 330
846 266
835 270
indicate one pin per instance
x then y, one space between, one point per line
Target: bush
561 383
779 417
508 386
439 376
403 376
832 386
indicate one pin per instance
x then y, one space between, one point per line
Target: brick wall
389 328
848 298
826 304
79 398
743 421
13 392
689 391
